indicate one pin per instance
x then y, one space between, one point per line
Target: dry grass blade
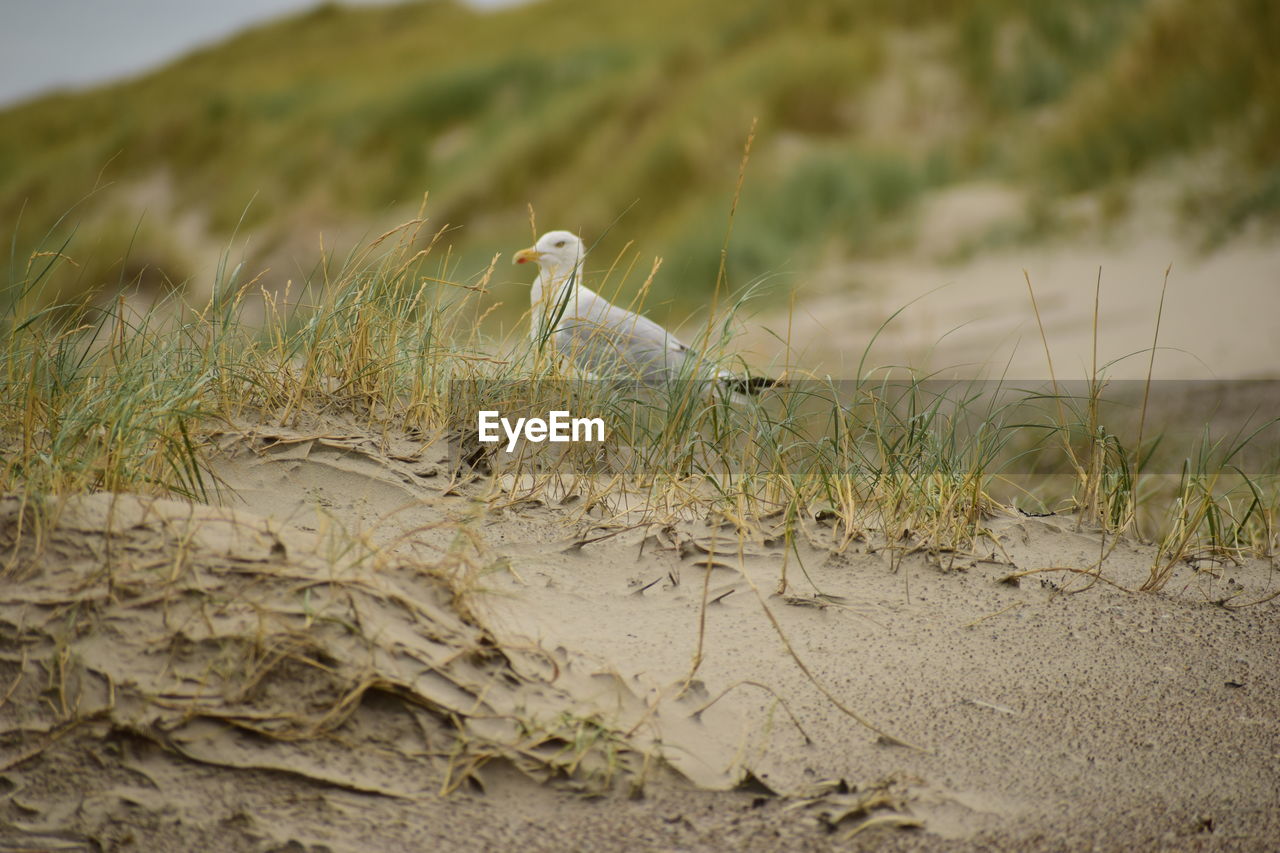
1014 577
890 820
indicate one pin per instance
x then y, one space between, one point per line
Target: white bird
599 337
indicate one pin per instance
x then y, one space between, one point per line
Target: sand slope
1055 712
969 313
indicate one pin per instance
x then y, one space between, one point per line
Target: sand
969 313
1054 711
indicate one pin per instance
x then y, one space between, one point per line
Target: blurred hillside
337 123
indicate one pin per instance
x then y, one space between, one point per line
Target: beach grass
102 395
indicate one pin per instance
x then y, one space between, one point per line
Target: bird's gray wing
613 343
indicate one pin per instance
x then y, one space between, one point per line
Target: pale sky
51 44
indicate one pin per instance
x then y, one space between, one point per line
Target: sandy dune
971 315
1055 712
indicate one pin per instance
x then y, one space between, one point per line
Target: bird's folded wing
612 342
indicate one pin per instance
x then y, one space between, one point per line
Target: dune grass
103 396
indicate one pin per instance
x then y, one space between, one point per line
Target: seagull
599 337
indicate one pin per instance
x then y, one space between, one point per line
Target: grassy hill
338 122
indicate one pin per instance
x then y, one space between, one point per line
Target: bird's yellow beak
525 255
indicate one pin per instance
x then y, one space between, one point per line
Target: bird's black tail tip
753 385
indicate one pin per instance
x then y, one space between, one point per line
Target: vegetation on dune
1185 78
339 121
120 400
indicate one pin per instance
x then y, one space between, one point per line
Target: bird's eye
560 245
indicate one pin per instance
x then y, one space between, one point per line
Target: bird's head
556 252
